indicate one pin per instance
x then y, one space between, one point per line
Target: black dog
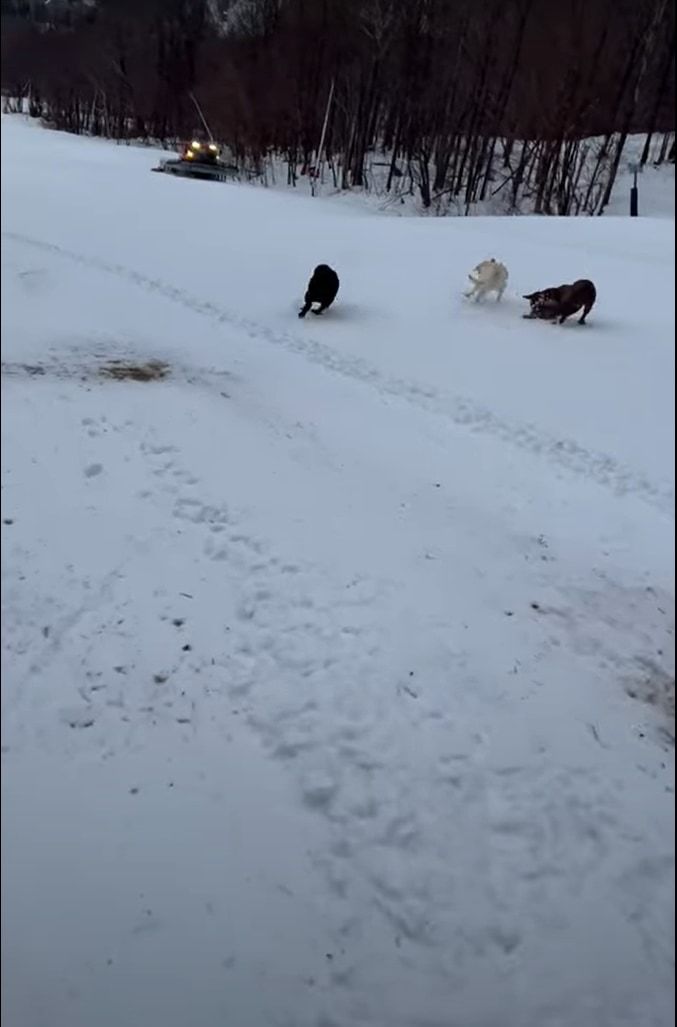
322 289
559 303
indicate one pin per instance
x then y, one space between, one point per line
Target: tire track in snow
602 468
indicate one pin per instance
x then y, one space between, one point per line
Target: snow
338 662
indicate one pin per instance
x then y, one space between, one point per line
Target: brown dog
560 302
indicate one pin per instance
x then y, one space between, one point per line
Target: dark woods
454 100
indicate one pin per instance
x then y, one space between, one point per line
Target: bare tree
459 103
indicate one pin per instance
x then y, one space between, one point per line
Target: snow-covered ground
337 663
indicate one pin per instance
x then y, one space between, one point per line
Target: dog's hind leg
586 310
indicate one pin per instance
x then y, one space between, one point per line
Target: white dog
489 276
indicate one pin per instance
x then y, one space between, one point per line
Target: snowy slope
317 653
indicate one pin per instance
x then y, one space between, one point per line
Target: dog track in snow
305 662
567 453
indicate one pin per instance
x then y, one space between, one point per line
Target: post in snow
634 191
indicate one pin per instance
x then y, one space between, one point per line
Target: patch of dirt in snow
121 370
116 370
655 686
630 631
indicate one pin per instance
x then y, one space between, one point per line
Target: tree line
524 101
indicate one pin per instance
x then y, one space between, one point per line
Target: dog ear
529 295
